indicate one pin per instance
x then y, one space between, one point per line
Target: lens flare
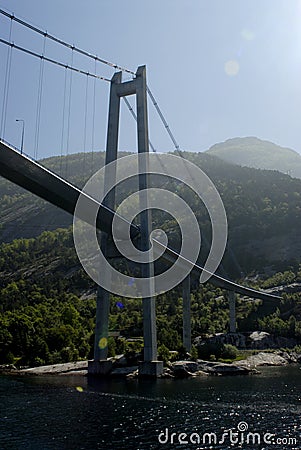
232 67
131 282
103 343
248 35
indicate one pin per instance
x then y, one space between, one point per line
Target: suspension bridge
26 171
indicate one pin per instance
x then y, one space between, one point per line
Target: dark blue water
50 413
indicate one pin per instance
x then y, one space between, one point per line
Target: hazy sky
218 68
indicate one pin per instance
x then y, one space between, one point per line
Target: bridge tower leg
232 312
150 366
186 313
100 365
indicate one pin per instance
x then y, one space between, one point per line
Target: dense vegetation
47 302
47 306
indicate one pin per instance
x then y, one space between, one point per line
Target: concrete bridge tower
100 365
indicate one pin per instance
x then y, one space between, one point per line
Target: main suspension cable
135 117
115 66
155 103
52 61
63 43
149 141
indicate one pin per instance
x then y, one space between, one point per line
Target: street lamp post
22 136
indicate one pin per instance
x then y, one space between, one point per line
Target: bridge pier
150 367
232 312
100 365
186 314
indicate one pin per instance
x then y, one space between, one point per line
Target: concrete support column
186 313
232 312
147 270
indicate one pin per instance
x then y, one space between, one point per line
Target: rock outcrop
256 340
260 340
184 369
264 359
218 368
279 358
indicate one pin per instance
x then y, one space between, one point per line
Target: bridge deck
35 178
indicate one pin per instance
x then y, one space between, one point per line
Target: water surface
51 413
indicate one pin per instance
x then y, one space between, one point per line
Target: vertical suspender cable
93 117
6 84
39 103
63 120
85 124
69 114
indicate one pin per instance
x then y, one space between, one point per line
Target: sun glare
231 67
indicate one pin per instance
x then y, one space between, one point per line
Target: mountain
254 152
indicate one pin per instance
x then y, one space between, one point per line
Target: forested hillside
47 307
263 210
47 302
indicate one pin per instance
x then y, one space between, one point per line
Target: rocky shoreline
177 369
255 340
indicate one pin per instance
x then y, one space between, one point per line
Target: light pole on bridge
22 135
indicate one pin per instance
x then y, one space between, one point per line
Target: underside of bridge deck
40 181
